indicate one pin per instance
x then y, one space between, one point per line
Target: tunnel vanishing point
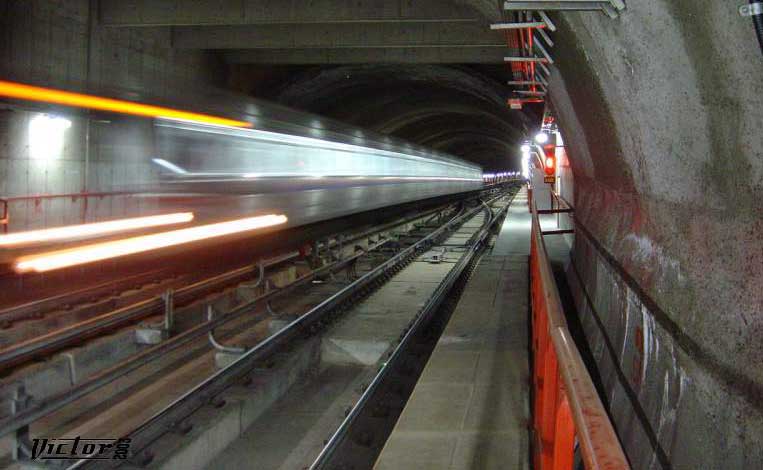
454 234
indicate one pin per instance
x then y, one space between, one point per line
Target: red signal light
549 163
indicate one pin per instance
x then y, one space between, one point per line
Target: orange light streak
112 249
66 98
88 230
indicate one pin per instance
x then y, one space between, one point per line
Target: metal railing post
564 435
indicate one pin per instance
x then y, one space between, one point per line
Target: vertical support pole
547 429
564 435
4 219
169 310
20 402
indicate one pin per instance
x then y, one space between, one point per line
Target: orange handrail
567 404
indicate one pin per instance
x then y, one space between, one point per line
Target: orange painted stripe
79 100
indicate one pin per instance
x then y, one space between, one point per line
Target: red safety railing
37 199
566 403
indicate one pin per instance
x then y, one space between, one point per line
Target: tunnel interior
660 109
457 109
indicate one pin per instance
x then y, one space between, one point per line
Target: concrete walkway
470 408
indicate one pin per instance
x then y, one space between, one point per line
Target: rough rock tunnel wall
661 113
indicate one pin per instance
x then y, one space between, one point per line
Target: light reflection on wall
46 137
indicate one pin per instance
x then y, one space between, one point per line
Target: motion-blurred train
310 178
143 159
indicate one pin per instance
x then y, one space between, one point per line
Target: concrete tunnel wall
57 43
661 112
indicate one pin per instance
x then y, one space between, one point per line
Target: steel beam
542 32
561 5
525 59
610 7
534 24
137 13
379 35
549 24
538 45
402 55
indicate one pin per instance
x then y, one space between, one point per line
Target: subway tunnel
625 254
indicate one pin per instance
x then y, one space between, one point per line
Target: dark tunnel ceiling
460 110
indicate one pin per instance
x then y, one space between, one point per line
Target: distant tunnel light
541 137
526 166
525 148
112 249
48 95
46 136
98 228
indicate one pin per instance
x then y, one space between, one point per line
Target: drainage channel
359 441
365 437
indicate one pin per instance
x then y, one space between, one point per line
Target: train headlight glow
112 249
541 138
98 228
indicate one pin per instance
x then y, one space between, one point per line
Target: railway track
365 269
38 328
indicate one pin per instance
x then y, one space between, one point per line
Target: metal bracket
261 270
549 24
155 334
537 44
224 355
751 9
215 343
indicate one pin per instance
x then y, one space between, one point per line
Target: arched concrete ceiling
456 109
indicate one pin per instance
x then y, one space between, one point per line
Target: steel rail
37 308
110 374
574 409
54 340
433 303
106 376
58 339
204 393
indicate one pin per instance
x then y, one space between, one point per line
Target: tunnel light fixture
79 100
525 148
117 248
73 232
541 138
46 136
